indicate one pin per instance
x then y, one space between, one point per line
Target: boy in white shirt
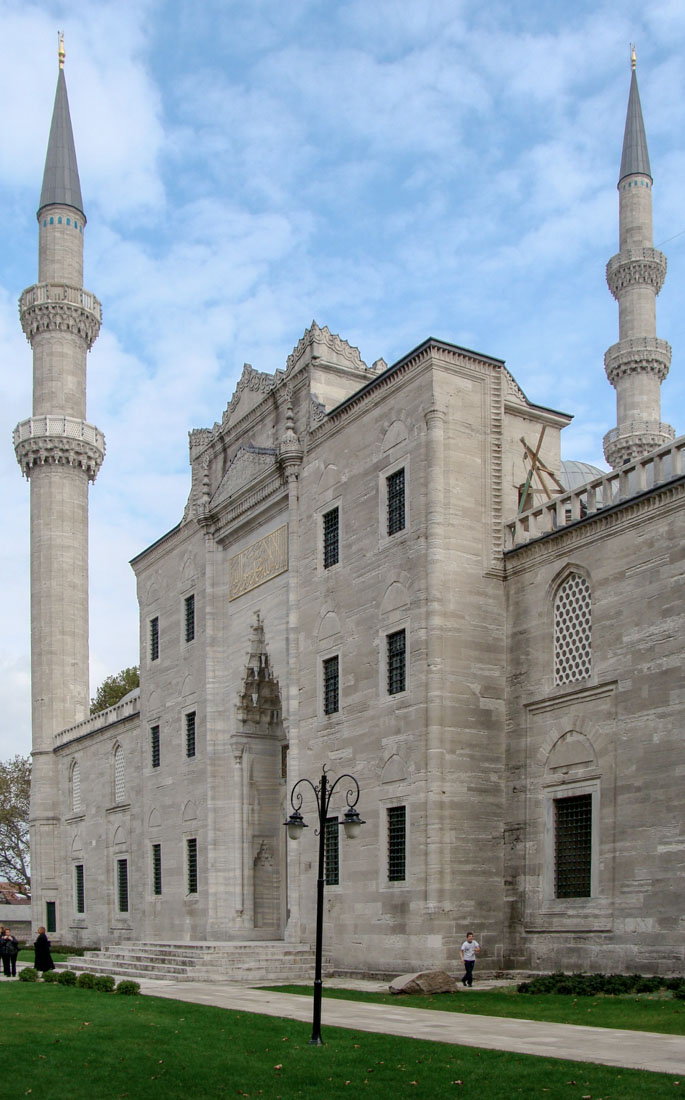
467 953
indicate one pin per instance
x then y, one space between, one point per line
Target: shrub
679 993
51 976
66 977
28 974
128 988
590 985
86 980
104 983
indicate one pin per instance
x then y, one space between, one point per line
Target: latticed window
331 538
395 491
154 639
155 755
573 846
122 885
156 868
397 661
397 843
76 788
191 864
332 852
189 609
190 734
119 775
573 630
331 685
79 888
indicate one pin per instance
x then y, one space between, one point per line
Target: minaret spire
639 362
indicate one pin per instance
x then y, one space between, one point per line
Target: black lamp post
295 824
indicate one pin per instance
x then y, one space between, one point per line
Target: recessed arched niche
395 434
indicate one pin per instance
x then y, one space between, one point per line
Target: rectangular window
331 686
191 854
157 869
154 639
395 496
397 662
332 852
122 885
397 843
190 734
573 846
79 888
154 746
331 538
189 618
50 916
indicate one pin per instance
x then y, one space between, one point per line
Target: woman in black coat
43 958
9 949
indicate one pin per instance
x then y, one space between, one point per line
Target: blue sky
395 170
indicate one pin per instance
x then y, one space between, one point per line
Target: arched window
119 775
76 788
572 630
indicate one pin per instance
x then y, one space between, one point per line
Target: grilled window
395 497
189 607
331 685
154 639
397 662
79 888
331 538
573 630
119 775
191 859
157 869
76 788
122 885
154 746
332 852
397 843
573 846
190 734
51 916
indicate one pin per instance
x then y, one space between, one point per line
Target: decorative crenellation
315 335
58 307
58 440
250 379
636 267
638 354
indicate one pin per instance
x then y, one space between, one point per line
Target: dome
574 474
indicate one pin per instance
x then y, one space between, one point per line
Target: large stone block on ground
425 982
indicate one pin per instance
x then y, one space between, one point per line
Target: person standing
41 948
9 948
467 953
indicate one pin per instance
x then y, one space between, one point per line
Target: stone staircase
258 962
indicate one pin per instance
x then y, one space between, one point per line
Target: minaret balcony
58 307
636 267
58 440
638 355
635 439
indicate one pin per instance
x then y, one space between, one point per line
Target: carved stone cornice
636 267
638 354
319 339
58 307
60 441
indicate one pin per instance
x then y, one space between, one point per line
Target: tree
15 788
113 688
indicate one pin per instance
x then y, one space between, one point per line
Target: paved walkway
634 1049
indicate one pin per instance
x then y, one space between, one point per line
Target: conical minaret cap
61 184
635 158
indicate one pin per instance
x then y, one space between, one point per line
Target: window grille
284 761
395 491
191 850
332 852
157 869
119 775
573 630
331 685
122 885
76 788
79 888
397 662
397 843
573 846
190 618
154 639
50 916
190 734
331 538
155 754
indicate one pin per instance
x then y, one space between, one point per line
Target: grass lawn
26 955
61 1043
636 1012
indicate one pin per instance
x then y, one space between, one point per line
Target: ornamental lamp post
295 824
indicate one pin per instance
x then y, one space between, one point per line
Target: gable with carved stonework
247 465
251 390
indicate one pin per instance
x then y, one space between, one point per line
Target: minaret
59 452
637 365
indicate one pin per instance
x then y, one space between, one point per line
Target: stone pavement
633 1049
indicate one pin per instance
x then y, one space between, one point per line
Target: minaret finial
633 57
61 53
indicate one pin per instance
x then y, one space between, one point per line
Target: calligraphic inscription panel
264 559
